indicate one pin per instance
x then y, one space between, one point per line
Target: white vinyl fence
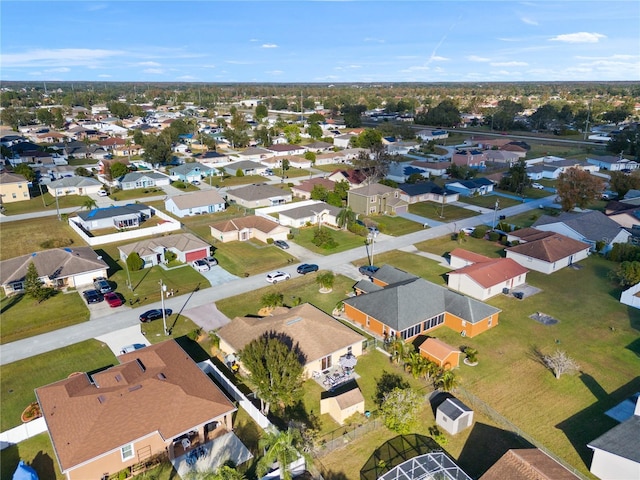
22 432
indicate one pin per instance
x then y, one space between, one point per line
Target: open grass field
395 226
345 240
44 203
251 257
24 237
489 201
233 181
19 379
435 211
23 318
137 193
291 173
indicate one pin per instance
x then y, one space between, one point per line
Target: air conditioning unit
463 333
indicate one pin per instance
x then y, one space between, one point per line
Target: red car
113 299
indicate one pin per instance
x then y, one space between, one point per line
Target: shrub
194 334
134 262
239 173
289 236
323 238
494 236
57 243
600 245
180 185
479 232
170 256
269 241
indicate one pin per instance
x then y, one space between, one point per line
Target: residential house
613 163
443 355
58 268
468 188
255 196
286 149
213 157
527 464
133 180
127 150
519 149
329 158
13 188
50 137
591 227
624 213
501 156
304 189
616 454
454 416
432 135
548 254
317 213
156 402
343 141
376 199
246 228
255 154
186 246
320 339
318 147
119 217
298 161
104 165
483 277
349 154
426 191
74 186
400 147
433 169
553 170
188 172
469 158
196 203
355 178
247 167
400 305
112 142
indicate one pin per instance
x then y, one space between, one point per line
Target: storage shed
454 416
443 355
341 404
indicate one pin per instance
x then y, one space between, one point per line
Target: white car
275 277
200 265
211 261
102 193
468 230
537 186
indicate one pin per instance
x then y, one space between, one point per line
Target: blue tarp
24 472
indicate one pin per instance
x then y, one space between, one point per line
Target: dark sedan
154 314
307 268
368 270
92 296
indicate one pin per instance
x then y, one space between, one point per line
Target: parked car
361 223
114 299
132 348
275 277
282 244
102 285
212 262
155 314
103 193
200 265
368 270
92 296
268 171
307 268
537 186
195 182
468 230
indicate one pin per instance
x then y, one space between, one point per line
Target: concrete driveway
118 339
218 276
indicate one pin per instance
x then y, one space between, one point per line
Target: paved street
339 263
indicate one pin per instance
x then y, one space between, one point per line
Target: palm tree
89 204
400 350
417 365
345 217
282 447
447 381
326 280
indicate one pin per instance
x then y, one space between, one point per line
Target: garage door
196 255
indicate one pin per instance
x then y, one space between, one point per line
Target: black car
282 244
92 296
368 270
307 268
154 314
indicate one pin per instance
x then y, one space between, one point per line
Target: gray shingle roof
257 192
74 182
621 440
310 210
592 225
113 211
453 408
187 168
135 176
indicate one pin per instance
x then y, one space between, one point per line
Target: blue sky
320 41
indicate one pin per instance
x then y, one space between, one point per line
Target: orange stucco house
397 304
157 402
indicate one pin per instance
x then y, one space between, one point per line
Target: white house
429 135
74 186
319 212
196 203
548 254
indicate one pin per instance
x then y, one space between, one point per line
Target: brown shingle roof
251 193
530 234
183 242
307 185
349 398
6 177
469 256
316 333
550 249
493 272
527 464
252 221
437 348
197 199
155 389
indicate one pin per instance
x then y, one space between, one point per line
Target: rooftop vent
294 320
135 387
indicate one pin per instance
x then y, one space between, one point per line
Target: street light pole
126 264
495 211
163 288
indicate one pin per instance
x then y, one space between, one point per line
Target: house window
490 322
433 322
373 200
372 210
326 362
127 452
464 323
13 195
410 332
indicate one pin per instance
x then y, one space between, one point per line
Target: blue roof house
467 188
188 172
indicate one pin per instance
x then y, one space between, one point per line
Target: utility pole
163 288
495 211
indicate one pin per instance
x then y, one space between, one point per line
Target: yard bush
480 232
57 243
624 252
180 185
289 236
324 239
134 262
357 229
494 236
270 241
170 256
239 173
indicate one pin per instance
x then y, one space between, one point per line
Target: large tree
560 363
281 447
26 171
578 188
33 286
118 169
516 179
622 183
157 149
352 115
400 409
374 164
275 368
446 114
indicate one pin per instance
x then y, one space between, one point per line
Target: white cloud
438 58
269 45
148 64
104 75
528 21
476 58
274 72
63 57
375 40
580 37
508 64
58 70
157 71
239 62
186 78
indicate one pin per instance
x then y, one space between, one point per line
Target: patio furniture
186 443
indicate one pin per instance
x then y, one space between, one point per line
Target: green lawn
137 193
527 219
44 203
252 257
436 211
300 287
444 245
19 379
233 181
412 263
199 224
396 226
23 318
37 452
345 240
24 237
489 201
331 167
291 172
